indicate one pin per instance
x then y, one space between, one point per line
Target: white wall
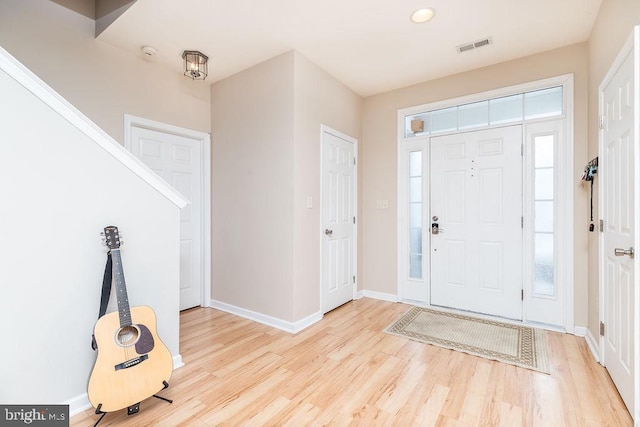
59 190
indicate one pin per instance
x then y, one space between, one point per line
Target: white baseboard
78 404
593 345
378 295
177 362
580 331
274 322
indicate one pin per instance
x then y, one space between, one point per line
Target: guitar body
132 362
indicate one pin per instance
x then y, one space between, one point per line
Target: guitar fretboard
121 289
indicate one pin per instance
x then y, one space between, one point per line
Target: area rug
507 343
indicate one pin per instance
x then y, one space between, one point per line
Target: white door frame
326 129
205 140
566 180
631 46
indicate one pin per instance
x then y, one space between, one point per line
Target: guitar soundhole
127 336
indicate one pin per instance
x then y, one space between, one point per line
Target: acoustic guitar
132 363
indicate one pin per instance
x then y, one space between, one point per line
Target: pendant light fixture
195 64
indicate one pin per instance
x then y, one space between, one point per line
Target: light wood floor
344 371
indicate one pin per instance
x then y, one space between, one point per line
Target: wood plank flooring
345 371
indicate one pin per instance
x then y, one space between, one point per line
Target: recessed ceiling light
422 15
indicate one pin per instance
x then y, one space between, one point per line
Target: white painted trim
274 322
177 362
481 96
380 296
567 217
592 343
67 111
565 243
205 141
326 129
78 404
580 331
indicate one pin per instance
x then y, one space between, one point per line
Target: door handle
328 232
622 252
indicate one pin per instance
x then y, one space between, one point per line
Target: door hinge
354 161
601 122
602 226
354 219
522 149
601 329
354 279
521 222
521 294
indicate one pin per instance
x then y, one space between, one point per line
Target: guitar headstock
112 237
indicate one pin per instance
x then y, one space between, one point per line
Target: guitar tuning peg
121 241
102 233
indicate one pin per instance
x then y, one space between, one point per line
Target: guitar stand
133 409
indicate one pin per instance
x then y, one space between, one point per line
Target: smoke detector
148 50
474 45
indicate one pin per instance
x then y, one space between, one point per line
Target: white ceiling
369 45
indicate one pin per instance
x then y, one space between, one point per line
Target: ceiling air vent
473 45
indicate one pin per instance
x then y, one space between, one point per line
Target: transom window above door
532 105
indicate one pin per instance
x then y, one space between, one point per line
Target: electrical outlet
382 204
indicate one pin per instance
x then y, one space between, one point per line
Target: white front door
338 219
617 170
178 160
476 221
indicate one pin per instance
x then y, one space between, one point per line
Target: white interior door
338 219
476 202
617 170
178 160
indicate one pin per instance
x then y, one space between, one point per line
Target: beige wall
102 81
252 174
319 99
611 30
266 162
379 158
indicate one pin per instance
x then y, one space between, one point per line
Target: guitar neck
121 289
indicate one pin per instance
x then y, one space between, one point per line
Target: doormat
517 345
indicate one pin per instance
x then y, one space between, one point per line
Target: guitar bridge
131 362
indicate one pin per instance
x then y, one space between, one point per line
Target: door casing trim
205 141
565 168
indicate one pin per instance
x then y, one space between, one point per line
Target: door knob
328 232
622 252
435 228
